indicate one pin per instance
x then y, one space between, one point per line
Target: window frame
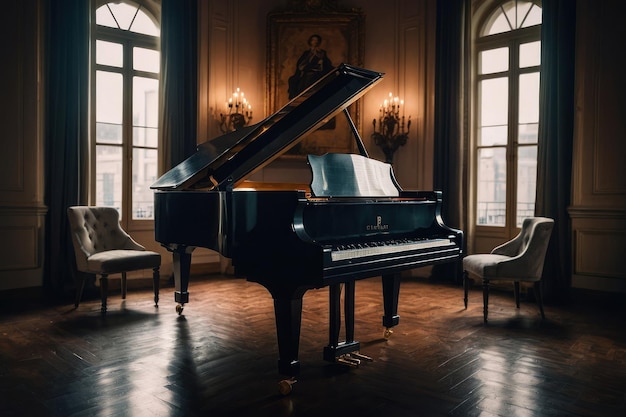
129 40
511 39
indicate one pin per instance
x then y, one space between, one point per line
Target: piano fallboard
331 240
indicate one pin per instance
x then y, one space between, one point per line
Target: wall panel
598 209
22 214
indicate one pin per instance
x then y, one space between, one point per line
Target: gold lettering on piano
379 225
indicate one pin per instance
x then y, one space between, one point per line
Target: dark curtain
450 168
66 115
179 80
556 135
65 132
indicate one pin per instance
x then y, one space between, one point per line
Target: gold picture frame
289 36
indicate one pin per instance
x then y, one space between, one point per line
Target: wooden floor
219 357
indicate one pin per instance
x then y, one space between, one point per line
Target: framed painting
302 47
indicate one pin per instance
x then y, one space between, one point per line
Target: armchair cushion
120 260
483 265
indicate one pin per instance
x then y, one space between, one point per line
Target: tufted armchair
102 247
519 260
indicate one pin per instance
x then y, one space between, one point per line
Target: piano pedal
348 360
360 356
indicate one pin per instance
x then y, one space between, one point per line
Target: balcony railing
493 213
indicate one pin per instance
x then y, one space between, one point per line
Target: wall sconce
391 133
239 113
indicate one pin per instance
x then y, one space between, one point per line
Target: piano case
354 222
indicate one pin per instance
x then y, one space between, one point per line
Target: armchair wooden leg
539 298
80 286
516 293
465 287
123 284
155 285
104 289
485 298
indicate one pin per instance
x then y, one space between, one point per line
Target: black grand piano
353 222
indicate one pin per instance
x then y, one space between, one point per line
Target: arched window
124 115
507 55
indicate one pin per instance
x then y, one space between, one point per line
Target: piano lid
226 160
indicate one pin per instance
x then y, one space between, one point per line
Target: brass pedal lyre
360 356
348 360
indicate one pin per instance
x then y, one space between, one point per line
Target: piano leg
334 328
354 356
182 268
348 300
343 352
391 291
288 312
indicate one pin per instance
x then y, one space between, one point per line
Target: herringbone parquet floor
219 357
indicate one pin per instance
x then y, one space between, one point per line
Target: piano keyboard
361 250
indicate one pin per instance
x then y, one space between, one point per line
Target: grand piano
354 221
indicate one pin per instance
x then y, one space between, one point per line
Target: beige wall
598 209
22 212
399 41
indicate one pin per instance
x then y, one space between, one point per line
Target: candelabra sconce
239 113
390 130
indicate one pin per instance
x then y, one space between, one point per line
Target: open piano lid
224 161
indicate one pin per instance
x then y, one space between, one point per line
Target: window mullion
513 137
128 132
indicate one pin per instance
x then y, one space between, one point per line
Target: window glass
526 182
499 25
145 110
521 13
145 165
124 16
108 133
146 60
533 18
145 136
494 102
528 108
143 24
109 107
512 15
493 60
529 98
109 53
493 112
530 54
493 135
105 18
109 176
491 187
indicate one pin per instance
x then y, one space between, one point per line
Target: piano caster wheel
387 333
286 386
179 309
